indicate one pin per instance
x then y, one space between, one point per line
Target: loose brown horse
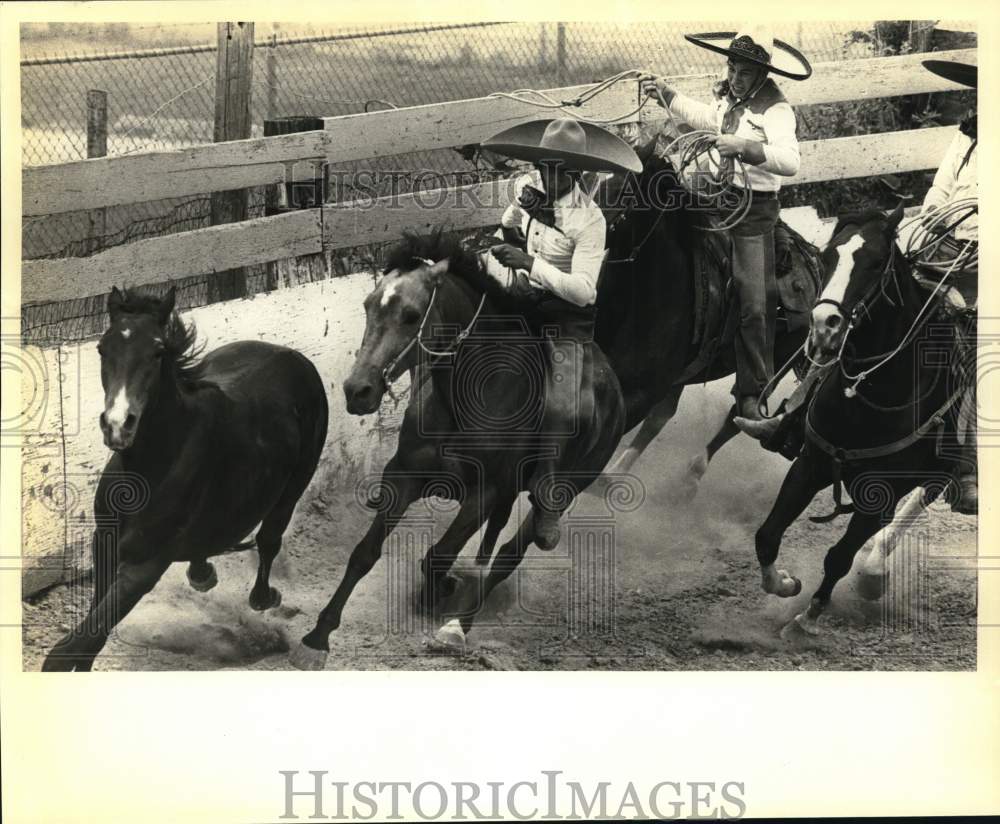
472 420
204 449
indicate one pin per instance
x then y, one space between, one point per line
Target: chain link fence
161 96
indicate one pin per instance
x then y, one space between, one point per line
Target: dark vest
767 95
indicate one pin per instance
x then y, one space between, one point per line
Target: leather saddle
799 276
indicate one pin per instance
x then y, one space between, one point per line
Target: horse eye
410 315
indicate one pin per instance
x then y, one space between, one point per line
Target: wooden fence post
97 146
560 54
233 78
272 78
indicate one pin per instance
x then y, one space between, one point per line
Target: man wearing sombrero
954 181
555 237
755 123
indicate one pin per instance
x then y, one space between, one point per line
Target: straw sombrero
955 72
580 146
756 45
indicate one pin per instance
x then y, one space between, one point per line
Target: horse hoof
788 586
206 583
273 600
801 623
451 636
306 658
872 587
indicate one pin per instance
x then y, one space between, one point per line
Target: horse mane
856 218
411 252
180 339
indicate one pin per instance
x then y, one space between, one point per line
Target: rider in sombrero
555 243
955 180
755 123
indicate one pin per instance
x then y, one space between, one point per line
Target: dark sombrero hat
755 44
955 72
580 146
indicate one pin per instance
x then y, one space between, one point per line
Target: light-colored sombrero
962 73
580 146
756 44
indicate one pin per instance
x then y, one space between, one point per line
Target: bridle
417 339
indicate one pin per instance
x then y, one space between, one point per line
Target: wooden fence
61 463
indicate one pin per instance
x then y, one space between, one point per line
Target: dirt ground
678 588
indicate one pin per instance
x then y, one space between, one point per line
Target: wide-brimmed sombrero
756 45
955 72
579 146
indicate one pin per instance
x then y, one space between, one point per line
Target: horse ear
115 301
894 219
166 305
437 271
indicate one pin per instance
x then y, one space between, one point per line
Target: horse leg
873 577
835 566
312 652
453 633
698 465
441 556
268 539
494 526
77 650
804 479
651 426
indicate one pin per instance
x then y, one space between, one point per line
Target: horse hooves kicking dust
306 658
450 638
271 601
780 583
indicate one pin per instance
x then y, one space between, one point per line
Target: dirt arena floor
684 592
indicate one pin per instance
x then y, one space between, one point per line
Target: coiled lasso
929 242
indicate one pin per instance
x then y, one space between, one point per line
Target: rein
417 339
934 422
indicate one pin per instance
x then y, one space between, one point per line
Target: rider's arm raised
579 285
696 114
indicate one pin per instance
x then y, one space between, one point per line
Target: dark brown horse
646 306
210 447
472 420
883 420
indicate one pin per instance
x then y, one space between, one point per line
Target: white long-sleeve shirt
766 118
956 179
567 258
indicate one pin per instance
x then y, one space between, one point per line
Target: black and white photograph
547 411
499 346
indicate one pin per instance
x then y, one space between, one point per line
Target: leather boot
762 428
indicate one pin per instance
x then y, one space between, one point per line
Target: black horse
471 429
652 320
883 419
210 447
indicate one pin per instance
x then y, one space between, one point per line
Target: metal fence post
97 146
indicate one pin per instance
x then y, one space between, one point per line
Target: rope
934 229
172 100
541 100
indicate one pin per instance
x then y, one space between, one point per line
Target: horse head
133 351
857 259
395 313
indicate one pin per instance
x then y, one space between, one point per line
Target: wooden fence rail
196 170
